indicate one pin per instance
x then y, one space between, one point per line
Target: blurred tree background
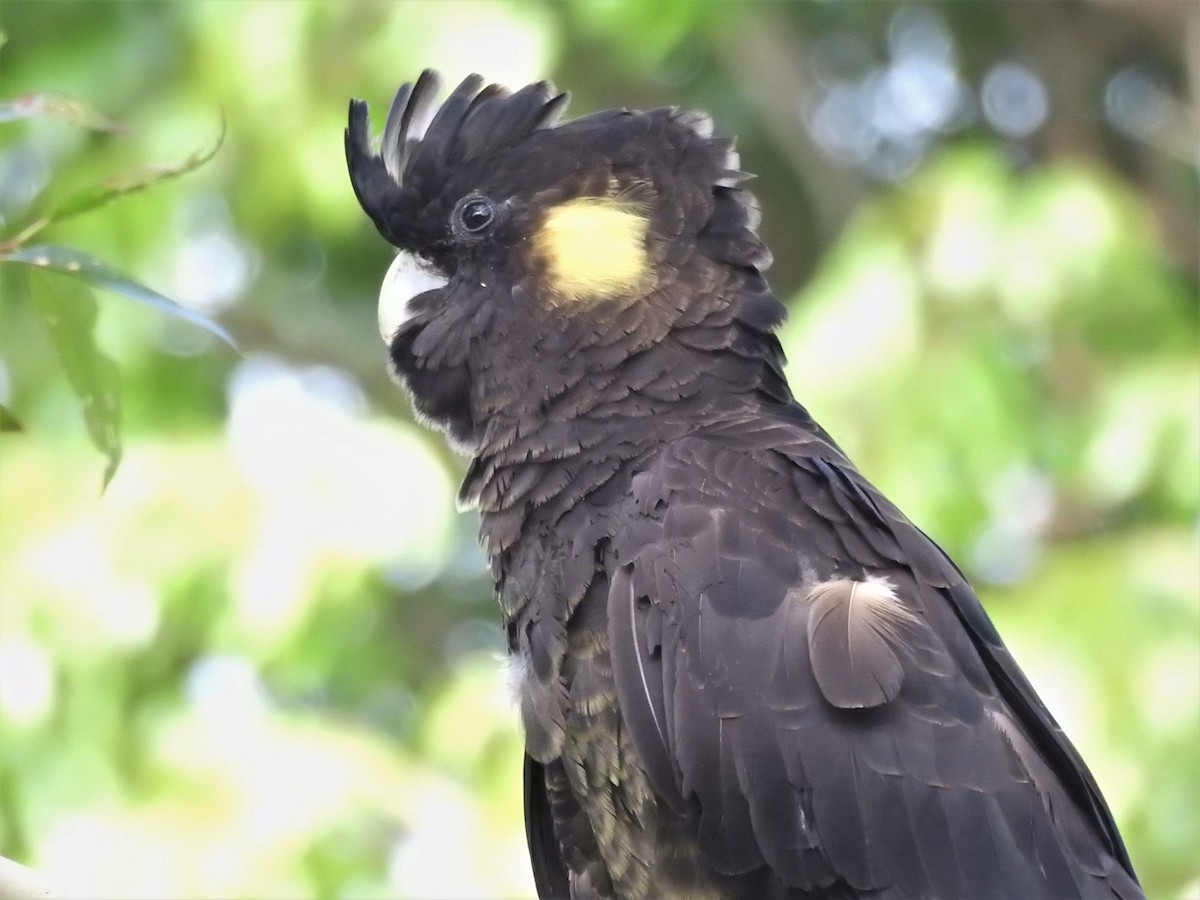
265 660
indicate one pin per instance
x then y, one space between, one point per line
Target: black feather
681 552
549 872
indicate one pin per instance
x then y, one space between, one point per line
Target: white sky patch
333 483
1014 100
26 681
511 47
212 269
1172 676
1066 693
1138 101
120 611
212 266
856 325
961 254
425 862
226 690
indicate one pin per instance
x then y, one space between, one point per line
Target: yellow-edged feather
594 247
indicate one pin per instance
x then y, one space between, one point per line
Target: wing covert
924 778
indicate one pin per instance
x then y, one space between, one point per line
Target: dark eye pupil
476 215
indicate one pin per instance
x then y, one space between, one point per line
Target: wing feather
829 714
549 871
856 639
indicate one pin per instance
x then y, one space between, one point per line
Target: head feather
431 155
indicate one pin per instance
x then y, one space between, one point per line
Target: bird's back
731 728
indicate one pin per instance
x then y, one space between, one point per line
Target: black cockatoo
744 672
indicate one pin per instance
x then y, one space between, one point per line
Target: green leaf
80 265
68 310
96 195
8 422
48 105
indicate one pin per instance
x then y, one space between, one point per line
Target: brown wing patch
855 640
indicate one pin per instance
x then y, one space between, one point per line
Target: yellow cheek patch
594 247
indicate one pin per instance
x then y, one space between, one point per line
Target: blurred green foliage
265 662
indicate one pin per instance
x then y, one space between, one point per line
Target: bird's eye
473 215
